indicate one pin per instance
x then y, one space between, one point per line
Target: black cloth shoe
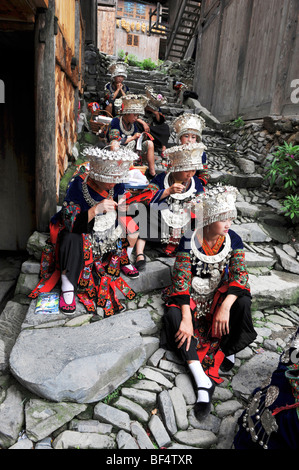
140 264
202 408
226 365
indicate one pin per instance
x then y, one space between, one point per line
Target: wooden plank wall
68 81
247 57
65 12
148 45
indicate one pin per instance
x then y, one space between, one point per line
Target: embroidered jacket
109 91
234 274
115 133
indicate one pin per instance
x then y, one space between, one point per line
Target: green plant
291 205
148 64
133 60
238 122
283 167
121 54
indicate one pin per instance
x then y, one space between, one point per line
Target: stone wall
96 64
255 141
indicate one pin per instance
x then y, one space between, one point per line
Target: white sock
129 251
201 379
66 285
129 266
231 358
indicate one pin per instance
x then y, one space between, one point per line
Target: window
140 11
133 10
133 40
129 9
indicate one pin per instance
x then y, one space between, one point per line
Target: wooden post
45 117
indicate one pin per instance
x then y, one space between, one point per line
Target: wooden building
246 56
42 68
124 26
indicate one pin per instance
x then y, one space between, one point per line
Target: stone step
236 179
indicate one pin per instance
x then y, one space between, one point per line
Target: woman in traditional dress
123 131
92 238
168 213
208 314
115 89
188 128
155 120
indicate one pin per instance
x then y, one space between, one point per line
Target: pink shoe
67 309
130 271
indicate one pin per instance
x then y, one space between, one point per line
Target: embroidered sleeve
146 196
114 134
69 215
204 175
107 92
181 279
238 275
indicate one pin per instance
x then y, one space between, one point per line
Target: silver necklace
90 201
180 196
206 259
130 131
203 288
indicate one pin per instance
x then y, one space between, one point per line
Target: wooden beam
45 117
41 3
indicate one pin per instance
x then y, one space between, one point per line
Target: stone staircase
75 362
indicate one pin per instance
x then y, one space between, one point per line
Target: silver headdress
110 166
187 123
217 204
133 104
156 100
118 69
185 157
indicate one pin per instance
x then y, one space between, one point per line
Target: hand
146 127
221 322
108 205
122 205
137 135
176 188
119 86
185 332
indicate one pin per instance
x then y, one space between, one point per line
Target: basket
98 127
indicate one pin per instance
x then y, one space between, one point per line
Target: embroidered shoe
130 271
67 309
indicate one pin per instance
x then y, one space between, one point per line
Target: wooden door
106 29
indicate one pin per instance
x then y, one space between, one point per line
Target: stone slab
81 364
255 260
254 372
277 289
251 232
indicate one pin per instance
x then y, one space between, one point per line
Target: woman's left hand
221 322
